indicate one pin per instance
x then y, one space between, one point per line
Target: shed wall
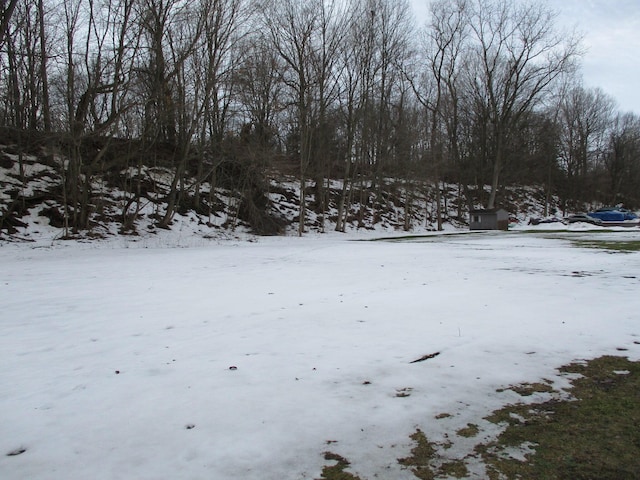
489 220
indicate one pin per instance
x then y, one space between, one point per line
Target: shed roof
488 210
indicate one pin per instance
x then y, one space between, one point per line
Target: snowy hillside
130 203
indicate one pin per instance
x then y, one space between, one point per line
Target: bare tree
22 72
6 11
156 17
100 45
291 25
216 64
178 81
392 27
446 37
72 189
584 116
355 89
203 56
44 76
622 160
517 55
333 20
259 88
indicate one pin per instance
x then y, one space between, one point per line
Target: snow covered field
115 362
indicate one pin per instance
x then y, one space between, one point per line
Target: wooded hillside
350 99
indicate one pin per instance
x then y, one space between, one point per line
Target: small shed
489 219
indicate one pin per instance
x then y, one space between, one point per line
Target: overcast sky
611 31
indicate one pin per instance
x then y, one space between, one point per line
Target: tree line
222 92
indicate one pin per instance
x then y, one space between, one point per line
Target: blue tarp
613 215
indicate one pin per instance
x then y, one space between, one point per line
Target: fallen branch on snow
426 357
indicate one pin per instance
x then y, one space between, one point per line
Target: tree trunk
46 113
497 168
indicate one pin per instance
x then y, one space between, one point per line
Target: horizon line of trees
486 92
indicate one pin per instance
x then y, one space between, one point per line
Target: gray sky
611 31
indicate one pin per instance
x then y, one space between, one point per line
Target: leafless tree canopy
225 92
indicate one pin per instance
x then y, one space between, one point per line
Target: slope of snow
115 362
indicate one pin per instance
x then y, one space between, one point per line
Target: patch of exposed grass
455 469
594 435
471 430
336 472
426 464
597 436
528 389
624 246
512 415
421 457
435 236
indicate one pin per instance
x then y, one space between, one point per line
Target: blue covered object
613 214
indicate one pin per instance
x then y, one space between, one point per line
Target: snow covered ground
115 362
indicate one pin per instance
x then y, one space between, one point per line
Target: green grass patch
440 416
590 431
336 472
426 464
528 389
421 457
624 246
471 430
435 236
596 436
455 469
